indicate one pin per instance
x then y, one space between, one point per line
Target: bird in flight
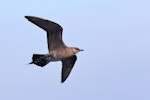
58 51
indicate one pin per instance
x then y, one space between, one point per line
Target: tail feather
39 60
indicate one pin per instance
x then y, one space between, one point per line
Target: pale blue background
115 35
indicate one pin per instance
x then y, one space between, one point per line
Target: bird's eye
77 48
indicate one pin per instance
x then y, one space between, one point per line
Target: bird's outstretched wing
67 64
54 31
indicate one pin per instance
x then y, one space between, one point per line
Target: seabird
58 51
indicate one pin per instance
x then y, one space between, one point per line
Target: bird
57 50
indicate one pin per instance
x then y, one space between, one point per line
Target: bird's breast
60 54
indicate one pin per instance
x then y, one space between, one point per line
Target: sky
115 63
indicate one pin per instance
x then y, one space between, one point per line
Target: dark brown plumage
58 51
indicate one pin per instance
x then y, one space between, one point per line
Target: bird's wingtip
62 81
27 17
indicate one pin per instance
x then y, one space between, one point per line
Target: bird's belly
53 59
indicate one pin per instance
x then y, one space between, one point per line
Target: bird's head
76 50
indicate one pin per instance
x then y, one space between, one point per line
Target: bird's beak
81 50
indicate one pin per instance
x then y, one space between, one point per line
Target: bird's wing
68 64
54 31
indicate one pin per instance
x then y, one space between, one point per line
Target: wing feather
54 31
67 64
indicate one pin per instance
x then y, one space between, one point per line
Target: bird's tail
39 60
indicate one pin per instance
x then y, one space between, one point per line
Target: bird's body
58 51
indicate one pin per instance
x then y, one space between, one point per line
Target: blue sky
114 34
